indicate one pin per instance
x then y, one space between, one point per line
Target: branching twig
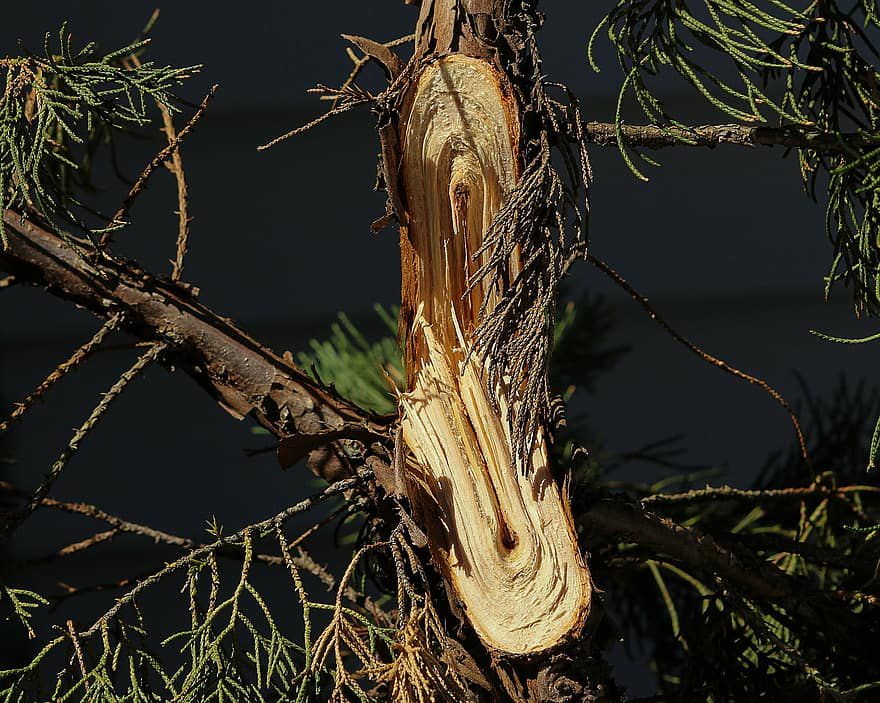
90 511
303 558
15 520
263 527
75 359
175 167
360 62
708 358
345 101
158 160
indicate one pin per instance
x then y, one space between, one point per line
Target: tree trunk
500 528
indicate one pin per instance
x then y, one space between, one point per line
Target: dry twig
175 166
75 359
160 158
14 521
708 358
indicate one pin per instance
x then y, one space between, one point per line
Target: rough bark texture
710 136
246 378
242 375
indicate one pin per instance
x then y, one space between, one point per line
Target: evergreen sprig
364 372
811 70
20 603
708 640
55 111
232 648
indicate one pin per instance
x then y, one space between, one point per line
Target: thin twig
7 282
312 529
66 551
332 112
79 546
774 494
95 513
16 519
69 591
360 62
175 166
303 559
158 160
708 358
71 629
75 359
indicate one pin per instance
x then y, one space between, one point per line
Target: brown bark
243 376
710 136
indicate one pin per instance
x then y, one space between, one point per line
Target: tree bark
243 376
711 136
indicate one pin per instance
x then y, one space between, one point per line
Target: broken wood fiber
501 532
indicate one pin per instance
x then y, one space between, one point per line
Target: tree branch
719 493
118 525
655 137
744 569
622 520
243 376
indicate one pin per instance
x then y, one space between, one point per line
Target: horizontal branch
655 137
302 559
744 569
720 493
243 376
621 520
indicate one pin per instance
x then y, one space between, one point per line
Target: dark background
724 242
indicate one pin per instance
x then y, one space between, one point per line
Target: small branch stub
501 533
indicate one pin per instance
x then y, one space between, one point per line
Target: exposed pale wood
502 533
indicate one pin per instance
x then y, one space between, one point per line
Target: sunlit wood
503 533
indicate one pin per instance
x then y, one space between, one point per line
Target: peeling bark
244 377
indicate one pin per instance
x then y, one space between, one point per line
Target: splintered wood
502 533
